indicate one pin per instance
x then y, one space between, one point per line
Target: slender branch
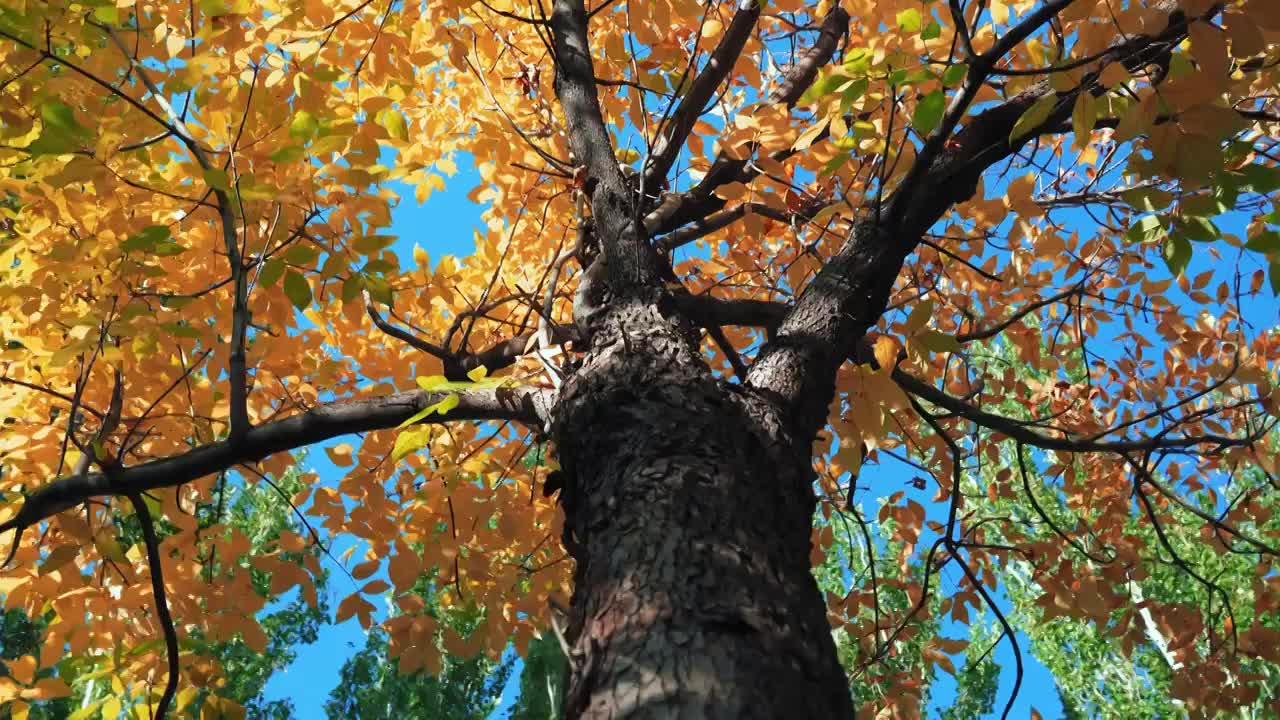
401 334
673 135
529 405
630 261
701 201
991 331
162 603
1024 434
236 369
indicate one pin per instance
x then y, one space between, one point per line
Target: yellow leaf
732 192
185 696
395 124
886 352
1083 117
1209 48
1033 118
411 441
919 317
109 549
938 342
477 374
431 382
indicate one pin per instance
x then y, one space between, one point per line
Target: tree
371 685
198 278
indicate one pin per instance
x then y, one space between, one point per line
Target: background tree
372 686
736 259
236 669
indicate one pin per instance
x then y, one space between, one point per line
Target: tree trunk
688 509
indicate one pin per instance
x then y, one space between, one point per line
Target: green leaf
1261 179
824 86
59 117
954 74
378 287
1177 253
1266 242
304 125
1199 229
851 91
395 124
351 287
1275 277
107 14
60 133
297 289
301 254
288 154
909 20
147 239
857 62
370 244
1034 117
272 271
834 164
938 342
1147 199
1148 229
929 112
181 330
931 31
217 179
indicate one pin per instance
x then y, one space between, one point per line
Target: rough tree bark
688 507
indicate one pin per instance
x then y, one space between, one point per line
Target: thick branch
527 405
701 201
850 293
694 102
706 310
630 262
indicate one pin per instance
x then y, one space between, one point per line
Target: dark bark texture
688 508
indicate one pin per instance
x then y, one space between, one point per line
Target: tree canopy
1023 249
